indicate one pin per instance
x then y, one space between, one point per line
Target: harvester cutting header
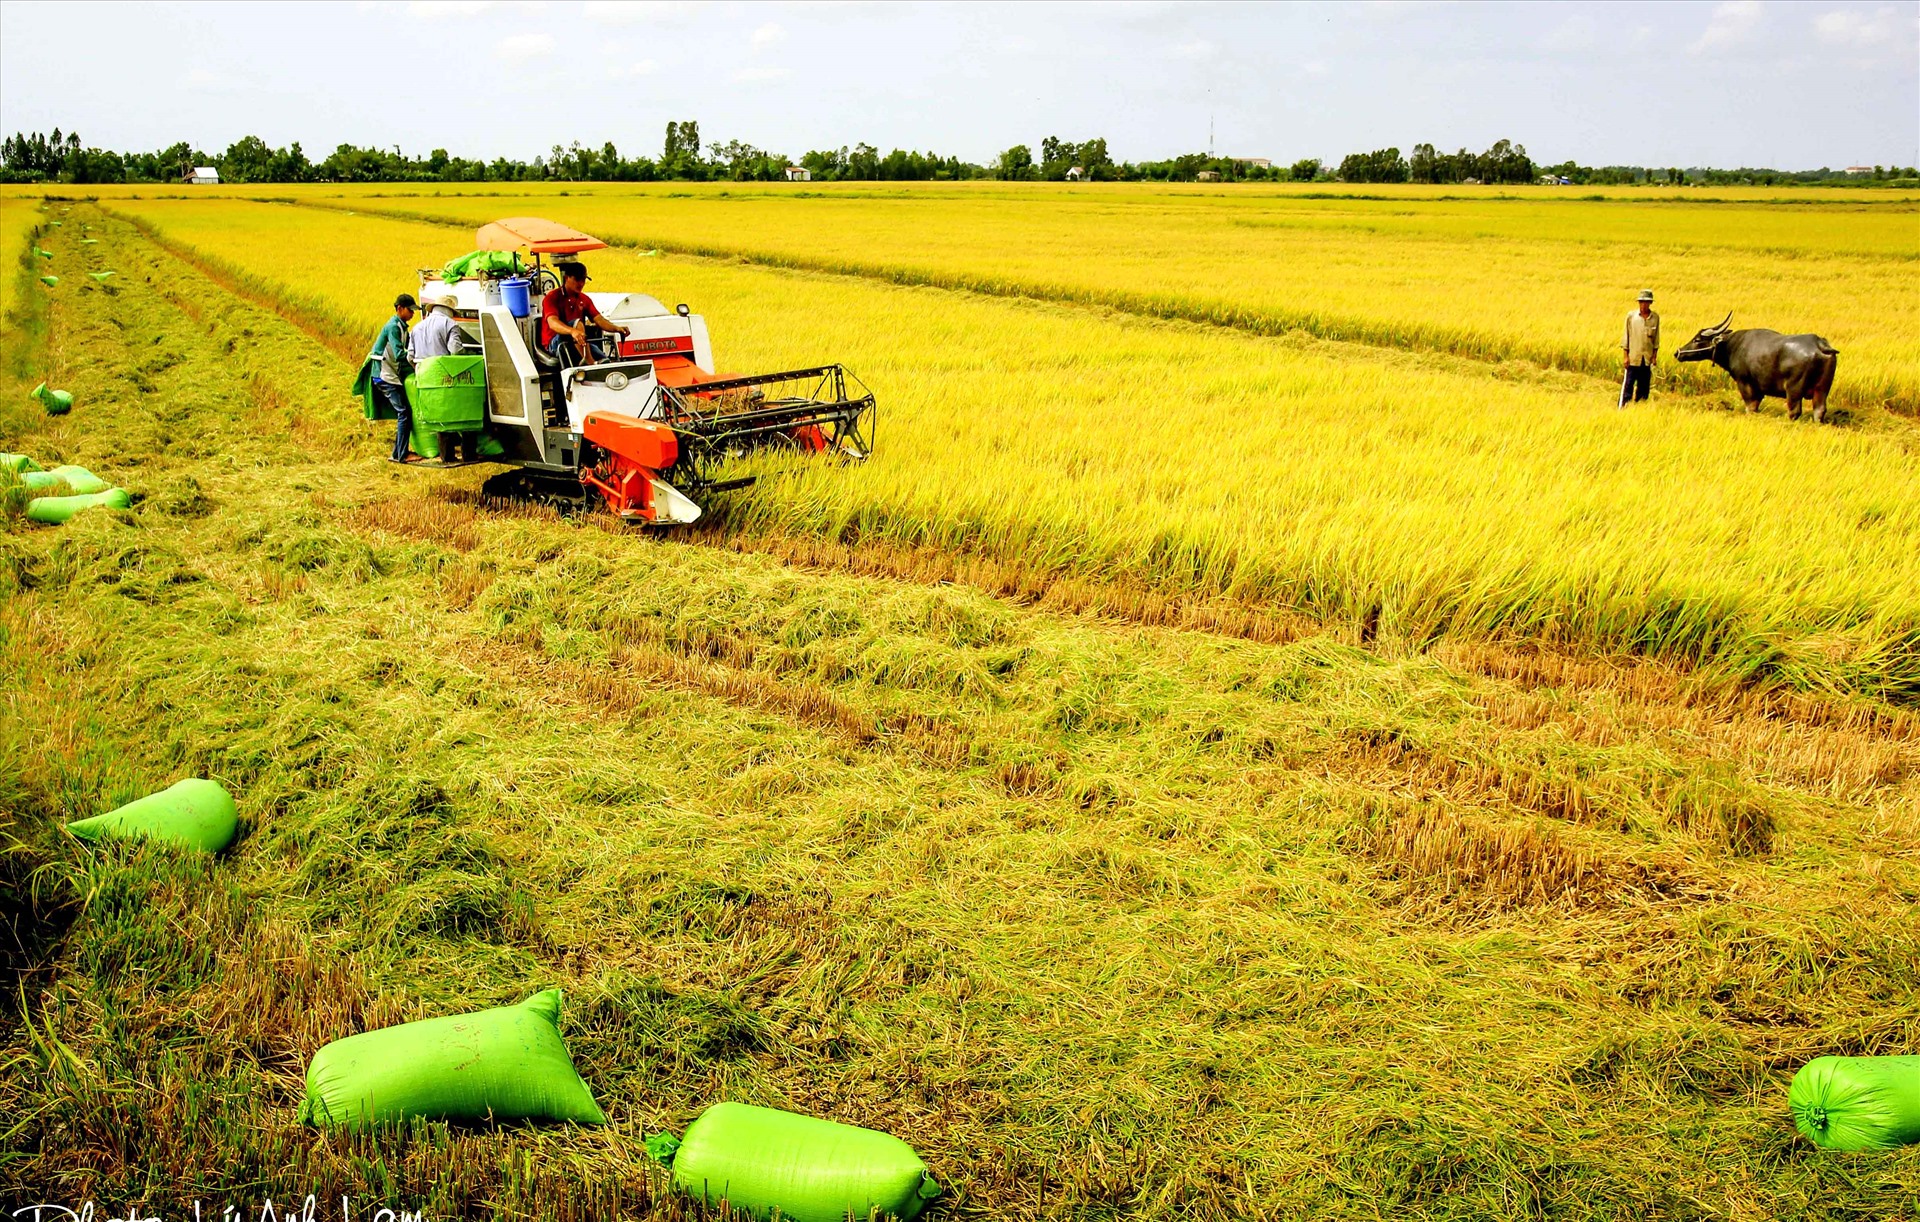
605 396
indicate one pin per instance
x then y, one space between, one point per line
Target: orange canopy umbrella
542 237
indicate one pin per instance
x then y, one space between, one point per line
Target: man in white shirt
438 334
1639 349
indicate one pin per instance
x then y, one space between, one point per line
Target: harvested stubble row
1416 496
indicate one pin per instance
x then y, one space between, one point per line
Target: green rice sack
73 479
1857 1103
54 510
758 1159
19 464
507 1063
194 812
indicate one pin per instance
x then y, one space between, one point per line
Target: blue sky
1737 82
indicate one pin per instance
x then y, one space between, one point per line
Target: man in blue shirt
390 383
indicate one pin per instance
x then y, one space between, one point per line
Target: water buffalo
1762 363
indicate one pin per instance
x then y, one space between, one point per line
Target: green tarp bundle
194 812
449 394
1857 1103
481 263
19 464
457 405
507 1063
54 510
759 1159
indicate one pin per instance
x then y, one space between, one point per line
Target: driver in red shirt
564 315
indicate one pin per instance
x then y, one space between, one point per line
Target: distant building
1076 173
1859 169
1208 176
1257 163
205 173
799 173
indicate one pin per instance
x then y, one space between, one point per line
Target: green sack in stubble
1857 1103
57 402
507 1063
759 1159
20 464
194 812
53 510
77 479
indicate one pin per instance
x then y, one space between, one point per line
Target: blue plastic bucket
514 294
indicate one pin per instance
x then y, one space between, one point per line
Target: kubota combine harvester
646 431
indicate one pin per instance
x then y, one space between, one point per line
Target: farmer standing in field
390 381
439 334
1639 349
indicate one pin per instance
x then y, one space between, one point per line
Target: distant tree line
64 157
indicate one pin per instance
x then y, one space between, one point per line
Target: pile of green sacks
481 263
88 490
509 1063
448 394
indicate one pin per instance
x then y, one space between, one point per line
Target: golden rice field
1188 774
1545 279
1421 494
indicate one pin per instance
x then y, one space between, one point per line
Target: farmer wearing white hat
438 334
1639 349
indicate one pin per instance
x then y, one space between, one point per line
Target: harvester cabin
201 174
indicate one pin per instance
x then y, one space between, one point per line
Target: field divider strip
1267 323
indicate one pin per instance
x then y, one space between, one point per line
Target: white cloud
1733 22
1195 49
748 76
1579 32
644 67
768 34
524 46
634 12
1315 68
203 80
449 8
1859 28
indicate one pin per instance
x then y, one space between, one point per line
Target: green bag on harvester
1857 1103
758 1159
449 394
507 1063
194 812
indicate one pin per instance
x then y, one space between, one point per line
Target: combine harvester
647 430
